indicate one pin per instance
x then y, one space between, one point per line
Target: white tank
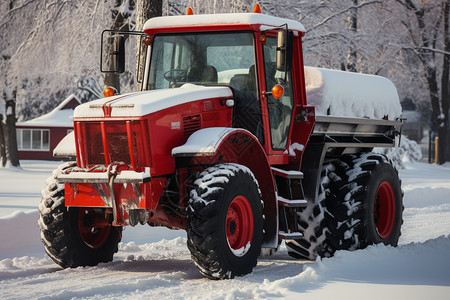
347 94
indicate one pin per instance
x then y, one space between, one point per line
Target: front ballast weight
104 181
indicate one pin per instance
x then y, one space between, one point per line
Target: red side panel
171 128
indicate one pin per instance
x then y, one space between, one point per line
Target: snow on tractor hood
144 103
347 94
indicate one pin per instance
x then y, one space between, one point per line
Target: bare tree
57 47
427 24
340 34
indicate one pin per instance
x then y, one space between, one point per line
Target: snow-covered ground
155 262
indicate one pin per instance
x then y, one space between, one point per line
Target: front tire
225 223
74 236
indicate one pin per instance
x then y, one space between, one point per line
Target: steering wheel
176 75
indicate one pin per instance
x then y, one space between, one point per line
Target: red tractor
223 143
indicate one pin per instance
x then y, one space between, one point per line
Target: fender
66 147
225 145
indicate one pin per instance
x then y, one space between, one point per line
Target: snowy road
155 263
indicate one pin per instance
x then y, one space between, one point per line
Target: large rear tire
364 206
225 222
74 236
359 204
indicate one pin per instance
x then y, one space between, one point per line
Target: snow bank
408 151
21 232
349 94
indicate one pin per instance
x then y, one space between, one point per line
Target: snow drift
407 151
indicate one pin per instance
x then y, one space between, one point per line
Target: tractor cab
247 55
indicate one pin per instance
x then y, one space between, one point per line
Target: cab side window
279 110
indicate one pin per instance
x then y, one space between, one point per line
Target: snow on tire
68 234
225 221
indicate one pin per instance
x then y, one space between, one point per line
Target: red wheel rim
239 225
384 210
94 230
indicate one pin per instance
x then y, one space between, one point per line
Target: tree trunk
11 135
445 86
145 10
2 144
353 28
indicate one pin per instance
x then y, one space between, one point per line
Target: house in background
37 138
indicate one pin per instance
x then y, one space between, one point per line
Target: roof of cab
266 22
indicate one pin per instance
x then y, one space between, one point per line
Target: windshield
206 59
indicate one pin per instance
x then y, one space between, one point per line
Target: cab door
279 111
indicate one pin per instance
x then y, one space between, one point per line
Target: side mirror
112 52
285 43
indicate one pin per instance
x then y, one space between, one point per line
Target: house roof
60 116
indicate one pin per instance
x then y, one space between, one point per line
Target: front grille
117 141
92 144
118 136
191 124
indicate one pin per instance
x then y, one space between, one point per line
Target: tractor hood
143 103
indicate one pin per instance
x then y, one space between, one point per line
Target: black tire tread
59 234
338 217
203 222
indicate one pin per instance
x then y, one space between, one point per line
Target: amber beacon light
257 9
277 91
109 91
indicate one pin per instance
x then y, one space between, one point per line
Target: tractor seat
202 74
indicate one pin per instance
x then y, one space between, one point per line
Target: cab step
292 203
290 174
290 235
